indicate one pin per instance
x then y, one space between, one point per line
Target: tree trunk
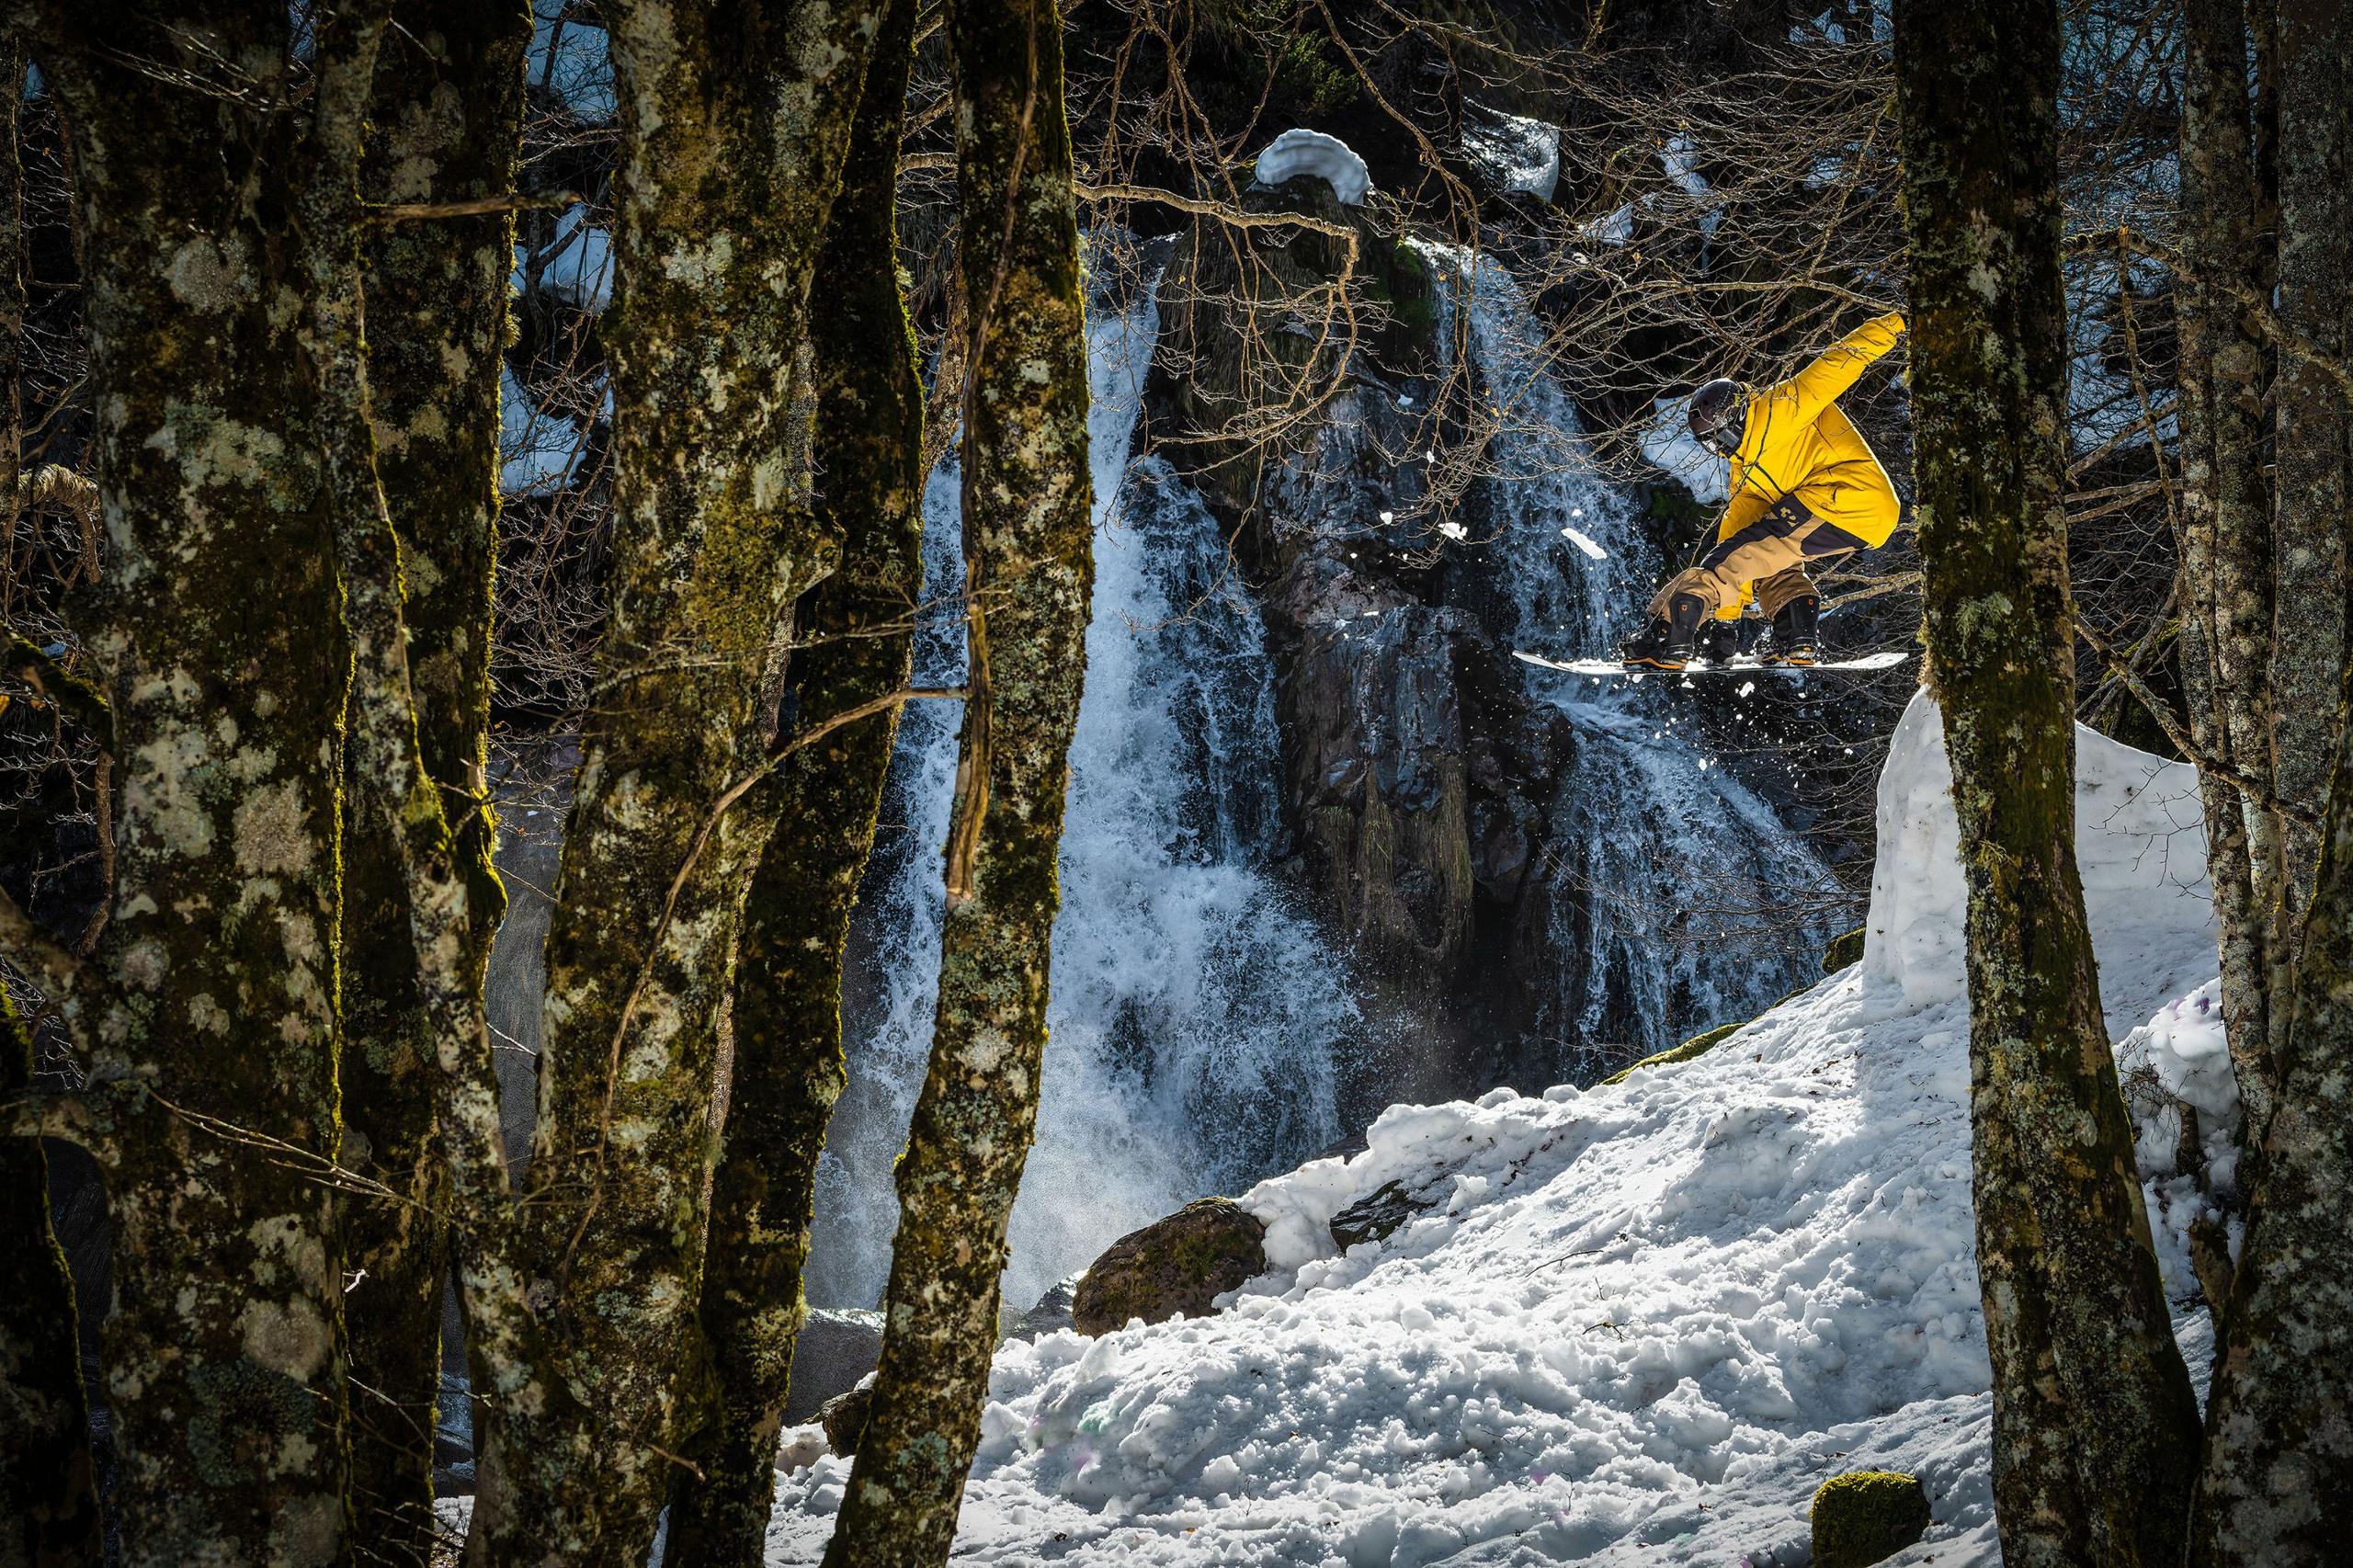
2278 1483
2279 1465
447 124
1030 570
855 644
2098 1467
2312 532
221 221
733 123
2225 548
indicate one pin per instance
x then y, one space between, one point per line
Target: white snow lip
1629 1325
1329 159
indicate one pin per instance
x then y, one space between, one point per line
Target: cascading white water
1664 867
1193 1013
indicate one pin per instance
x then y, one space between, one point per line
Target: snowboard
1740 666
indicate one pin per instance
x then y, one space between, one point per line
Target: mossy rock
1179 1264
1698 1045
1845 952
1866 1516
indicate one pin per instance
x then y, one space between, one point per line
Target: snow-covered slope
1638 1323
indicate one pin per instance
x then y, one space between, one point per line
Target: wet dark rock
1173 1266
1050 1313
1384 1213
834 1350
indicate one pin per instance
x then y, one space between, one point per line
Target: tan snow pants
1769 555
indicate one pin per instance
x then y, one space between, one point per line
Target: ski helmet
1719 413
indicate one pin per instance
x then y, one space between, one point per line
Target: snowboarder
1805 487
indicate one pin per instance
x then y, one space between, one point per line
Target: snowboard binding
1796 637
1670 640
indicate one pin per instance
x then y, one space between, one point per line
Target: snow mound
1627 1324
2139 843
1329 159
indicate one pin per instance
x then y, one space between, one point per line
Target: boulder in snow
834 1351
1866 1516
1295 153
844 1416
1177 1265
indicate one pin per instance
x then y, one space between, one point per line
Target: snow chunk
1329 159
1583 542
1516 155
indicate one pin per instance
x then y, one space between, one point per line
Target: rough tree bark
2313 439
855 644
221 222
2095 1424
2278 1464
1030 570
2225 521
733 123
446 126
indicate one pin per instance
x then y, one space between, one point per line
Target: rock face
1172 1266
1866 1516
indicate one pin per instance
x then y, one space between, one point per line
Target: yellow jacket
1798 442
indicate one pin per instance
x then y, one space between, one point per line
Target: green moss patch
1866 1516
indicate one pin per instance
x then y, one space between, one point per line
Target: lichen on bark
221 224
446 122
2095 1424
1029 569
854 643
733 123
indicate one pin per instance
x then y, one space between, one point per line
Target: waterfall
1194 1013
1665 871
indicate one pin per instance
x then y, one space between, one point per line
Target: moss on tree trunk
733 124
2094 1425
1029 572
854 644
221 222
446 123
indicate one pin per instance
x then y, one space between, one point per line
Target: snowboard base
1740 666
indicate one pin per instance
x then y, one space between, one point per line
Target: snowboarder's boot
1666 643
1719 640
1797 636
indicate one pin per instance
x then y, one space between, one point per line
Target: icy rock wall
1194 1012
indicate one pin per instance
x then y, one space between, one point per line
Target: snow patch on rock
1329 159
1512 154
